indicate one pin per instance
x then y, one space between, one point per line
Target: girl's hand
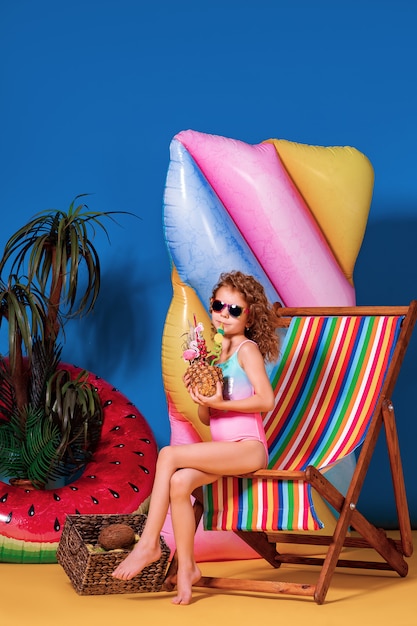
208 401
186 380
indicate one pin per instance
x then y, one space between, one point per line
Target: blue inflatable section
203 239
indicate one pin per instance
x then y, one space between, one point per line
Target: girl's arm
204 414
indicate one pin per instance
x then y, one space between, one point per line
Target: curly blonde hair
261 317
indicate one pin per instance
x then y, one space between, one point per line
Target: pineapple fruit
204 377
202 371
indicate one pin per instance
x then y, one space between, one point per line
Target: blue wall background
92 92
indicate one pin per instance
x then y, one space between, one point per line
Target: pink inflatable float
292 215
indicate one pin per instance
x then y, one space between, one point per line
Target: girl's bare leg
216 458
183 483
148 549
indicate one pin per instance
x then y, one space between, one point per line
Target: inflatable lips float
292 215
118 480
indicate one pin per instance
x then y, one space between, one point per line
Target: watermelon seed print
31 525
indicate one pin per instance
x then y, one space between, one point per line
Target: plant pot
25 483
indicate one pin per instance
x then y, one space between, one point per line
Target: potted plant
50 423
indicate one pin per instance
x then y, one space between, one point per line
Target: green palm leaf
75 407
31 454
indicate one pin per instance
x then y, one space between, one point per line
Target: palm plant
29 453
40 406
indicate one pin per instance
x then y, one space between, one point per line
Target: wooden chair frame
349 518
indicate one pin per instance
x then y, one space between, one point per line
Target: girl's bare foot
185 580
141 556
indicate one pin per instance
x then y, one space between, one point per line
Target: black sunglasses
234 309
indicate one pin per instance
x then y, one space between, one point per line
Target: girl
238 306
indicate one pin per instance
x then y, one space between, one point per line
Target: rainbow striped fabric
327 383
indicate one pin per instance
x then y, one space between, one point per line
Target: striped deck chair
333 387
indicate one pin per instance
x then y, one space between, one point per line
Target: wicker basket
90 572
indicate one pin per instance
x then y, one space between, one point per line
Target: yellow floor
32 593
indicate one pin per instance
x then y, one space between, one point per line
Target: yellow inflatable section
184 306
337 184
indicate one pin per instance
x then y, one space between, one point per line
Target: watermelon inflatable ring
118 480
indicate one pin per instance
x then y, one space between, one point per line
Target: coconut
116 536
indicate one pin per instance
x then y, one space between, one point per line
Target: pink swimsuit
234 425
